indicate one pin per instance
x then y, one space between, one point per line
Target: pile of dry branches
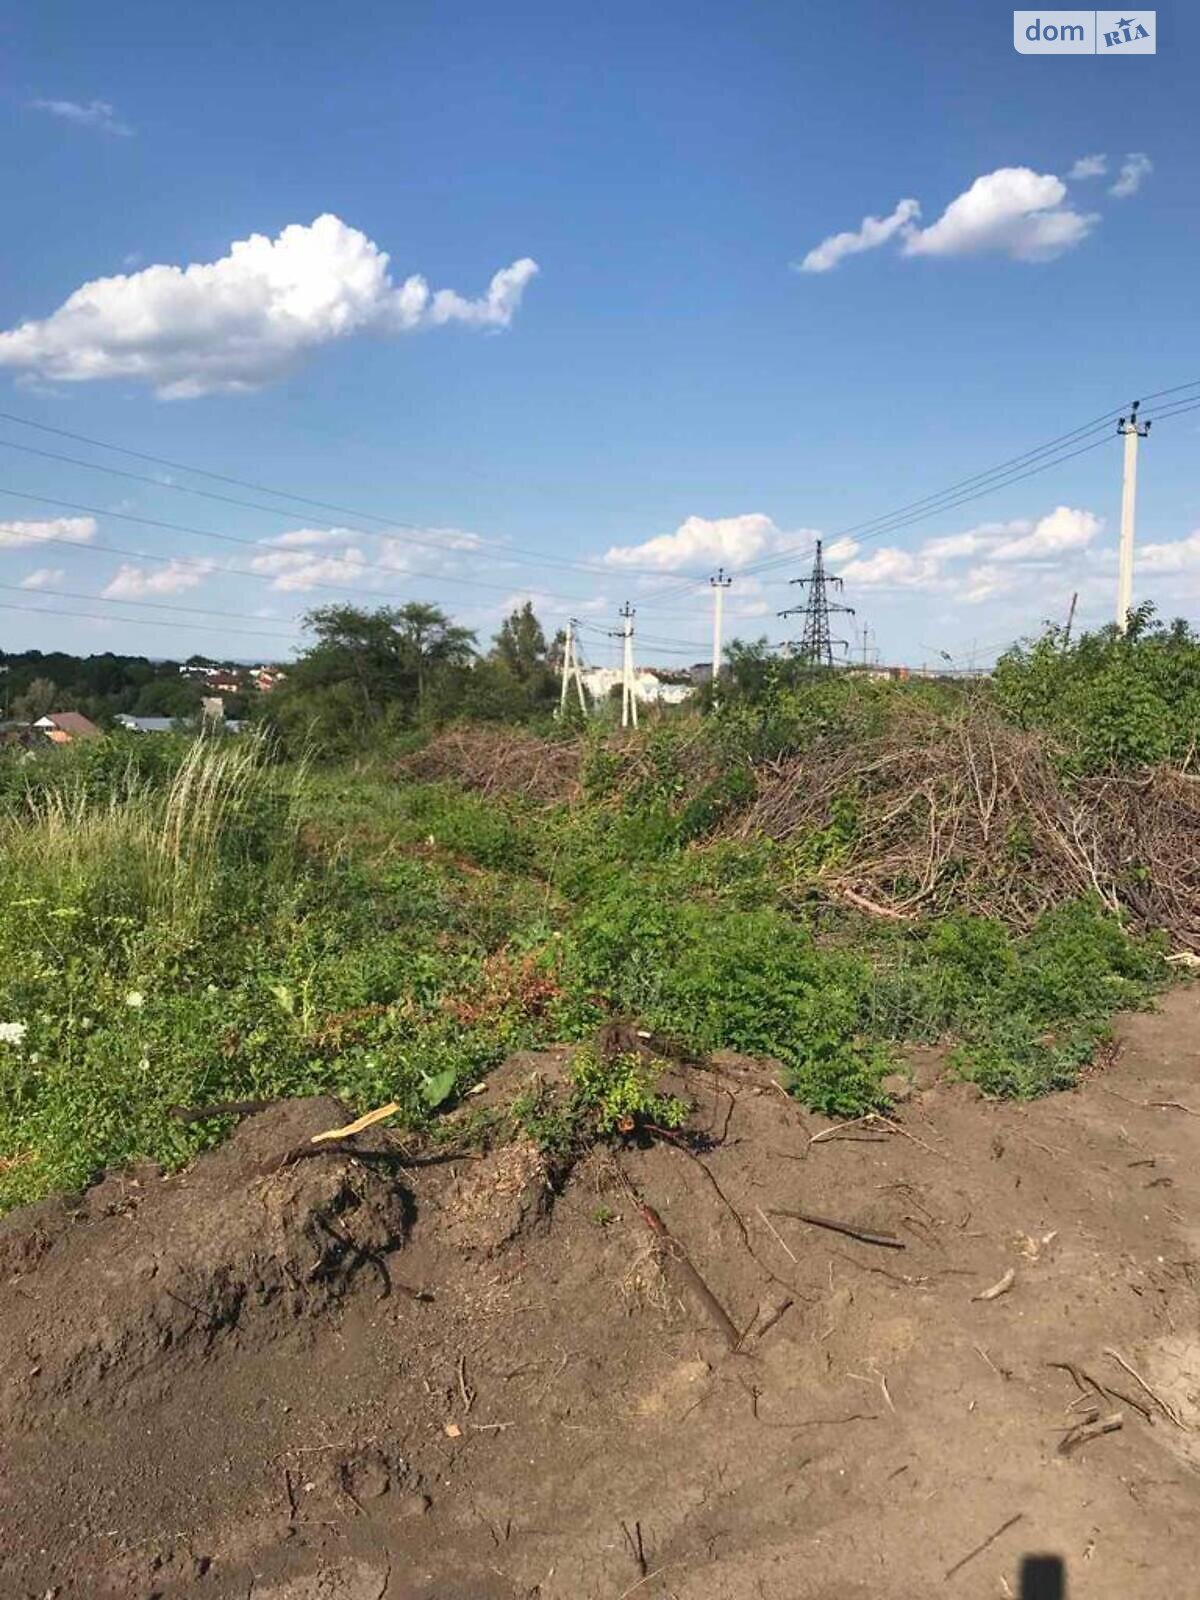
499 761
976 815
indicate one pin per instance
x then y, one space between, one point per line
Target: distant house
146 724
65 727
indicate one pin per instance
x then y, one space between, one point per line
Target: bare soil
364 1375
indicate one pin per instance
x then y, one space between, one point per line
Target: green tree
366 668
36 700
521 644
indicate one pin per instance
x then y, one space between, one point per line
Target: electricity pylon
815 648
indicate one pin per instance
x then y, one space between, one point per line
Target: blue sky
669 388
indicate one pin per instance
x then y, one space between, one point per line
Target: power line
1003 474
262 549
151 605
143 622
412 531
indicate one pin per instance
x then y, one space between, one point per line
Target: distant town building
65 727
650 686
146 724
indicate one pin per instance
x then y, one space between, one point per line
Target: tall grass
152 853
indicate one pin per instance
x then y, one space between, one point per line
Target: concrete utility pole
719 585
571 670
1132 430
629 711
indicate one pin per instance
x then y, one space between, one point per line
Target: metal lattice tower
815 648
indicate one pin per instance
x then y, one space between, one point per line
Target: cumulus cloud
1134 168
42 577
439 547
72 530
1060 530
239 322
294 570
988 582
729 541
1089 167
306 538
1014 211
1178 555
953 546
85 114
891 568
134 582
870 234
841 550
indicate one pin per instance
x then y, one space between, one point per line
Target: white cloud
293 570
1134 168
988 582
132 582
1014 210
891 568
237 323
306 538
43 577
85 114
954 546
730 541
1177 555
440 548
1060 530
75 530
1089 167
841 550
871 233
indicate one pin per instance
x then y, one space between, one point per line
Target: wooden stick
980 1548
1085 1431
691 1277
1167 1411
775 1234
888 1240
222 1108
367 1120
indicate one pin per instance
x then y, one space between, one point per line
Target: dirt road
371 1378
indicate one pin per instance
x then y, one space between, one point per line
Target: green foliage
608 1094
186 922
752 980
1113 700
1028 1010
620 1092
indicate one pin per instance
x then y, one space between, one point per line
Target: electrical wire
144 622
150 605
412 532
1002 475
260 548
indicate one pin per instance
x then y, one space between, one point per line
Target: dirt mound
499 761
932 1318
145 1275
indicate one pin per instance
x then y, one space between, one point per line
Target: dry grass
975 815
505 761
